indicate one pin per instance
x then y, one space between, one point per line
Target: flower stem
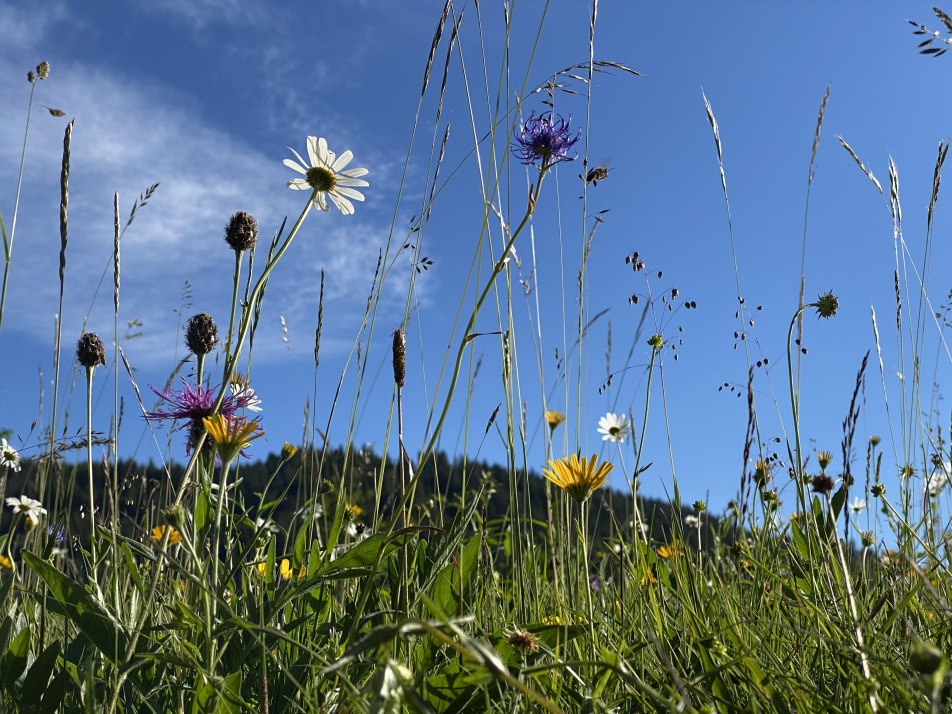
89 471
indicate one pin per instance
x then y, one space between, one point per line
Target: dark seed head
399 357
201 334
241 233
822 483
89 350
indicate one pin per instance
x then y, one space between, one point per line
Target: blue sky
204 98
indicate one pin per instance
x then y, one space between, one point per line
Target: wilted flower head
29 508
9 457
579 478
326 177
89 350
545 140
822 483
826 305
553 419
241 233
524 641
613 427
201 334
825 458
288 451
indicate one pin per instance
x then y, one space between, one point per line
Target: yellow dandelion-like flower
5 562
261 568
285 569
158 533
670 550
231 435
552 620
353 511
553 419
649 578
578 477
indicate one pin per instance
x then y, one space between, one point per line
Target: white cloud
202 13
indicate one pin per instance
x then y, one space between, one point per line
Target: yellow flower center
321 178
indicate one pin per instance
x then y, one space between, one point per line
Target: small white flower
266 524
692 521
324 175
28 508
311 513
9 456
939 477
613 427
247 394
857 504
357 531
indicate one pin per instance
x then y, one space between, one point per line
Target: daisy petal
298 184
320 201
342 161
349 192
298 157
313 150
294 166
345 206
351 182
354 173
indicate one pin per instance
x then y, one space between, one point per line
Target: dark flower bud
822 483
89 350
30 77
201 334
241 233
878 490
399 357
826 305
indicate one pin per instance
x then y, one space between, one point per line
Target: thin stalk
89 472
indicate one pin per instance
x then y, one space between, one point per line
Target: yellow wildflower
231 435
579 478
553 419
5 562
158 533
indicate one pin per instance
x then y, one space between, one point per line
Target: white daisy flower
325 176
939 477
311 513
857 504
28 508
613 427
245 396
266 524
9 457
692 521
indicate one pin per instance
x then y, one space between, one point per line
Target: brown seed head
399 357
822 483
241 233
89 350
201 334
524 641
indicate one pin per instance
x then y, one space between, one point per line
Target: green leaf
82 610
37 679
447 594
211 700
14 659
364 554
53 697
203 514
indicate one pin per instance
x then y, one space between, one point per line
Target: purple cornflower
195 403
547 138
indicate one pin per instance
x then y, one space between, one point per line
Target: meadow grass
345 583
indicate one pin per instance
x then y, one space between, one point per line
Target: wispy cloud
200 14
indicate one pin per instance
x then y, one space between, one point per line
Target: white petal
349 192
351 182
312 150
294 166
320 201
298 157
298 184
342 161
345 206
354 173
